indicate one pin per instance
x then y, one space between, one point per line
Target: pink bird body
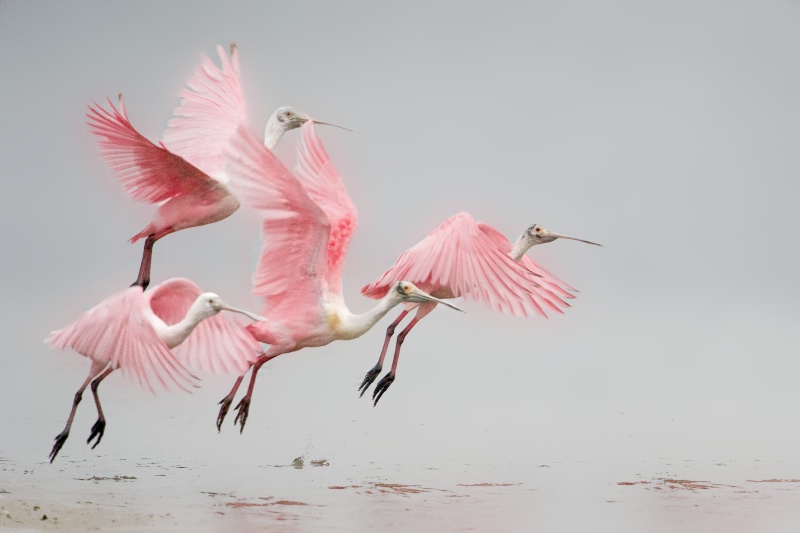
464 258
151 173
184 173
308 222
155 334
305 233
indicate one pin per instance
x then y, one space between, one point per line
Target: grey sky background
666 131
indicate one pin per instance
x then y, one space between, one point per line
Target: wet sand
343 465
315 494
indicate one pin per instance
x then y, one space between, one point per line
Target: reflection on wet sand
147 494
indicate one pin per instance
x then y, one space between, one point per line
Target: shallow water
402 466
511 494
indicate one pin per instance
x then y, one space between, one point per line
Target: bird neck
521 245
351 326
175 334
273 133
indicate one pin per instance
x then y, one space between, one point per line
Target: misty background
666 131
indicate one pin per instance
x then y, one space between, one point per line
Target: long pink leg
99 427
244 404
227 401
388 379
61 438
373 373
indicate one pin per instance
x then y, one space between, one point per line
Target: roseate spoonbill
134 330
308 221
184 173
437 263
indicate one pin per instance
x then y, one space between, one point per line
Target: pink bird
134 330
441 263
308 221
184 172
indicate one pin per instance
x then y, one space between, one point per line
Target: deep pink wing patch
315 170
147 172
294 231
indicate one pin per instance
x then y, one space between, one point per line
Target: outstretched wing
294 231
117 332
212 106
547 279
459 257
217 344
147 172
324 185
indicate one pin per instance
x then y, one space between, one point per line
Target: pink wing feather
212 106
147 172
458 257
117 332
294 230
324 185
546 278
218 344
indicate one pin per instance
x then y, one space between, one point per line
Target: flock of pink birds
210 161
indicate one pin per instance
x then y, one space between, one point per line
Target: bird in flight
137 331
462 257
308 222
184 172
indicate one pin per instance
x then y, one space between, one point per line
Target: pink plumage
218 344
212 107
471 259
294 231
315 171
152 174
154 336
119 333
307 224
458 258
545 278
183 172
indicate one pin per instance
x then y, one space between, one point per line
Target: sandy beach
306 494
